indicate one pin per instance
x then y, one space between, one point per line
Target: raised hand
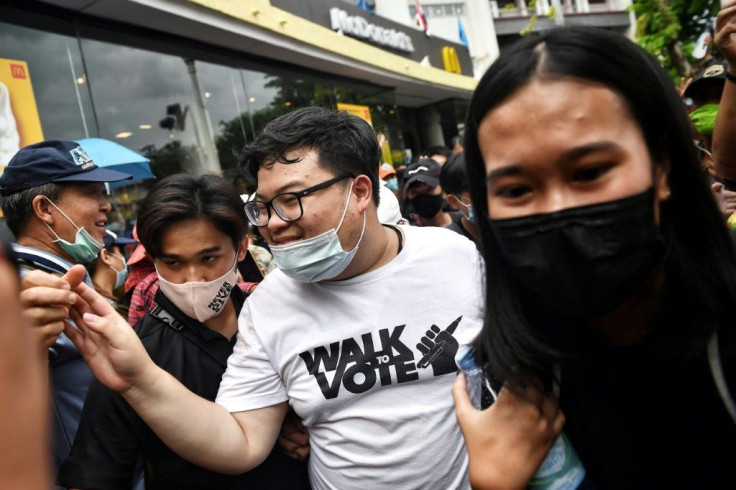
726 32
45 300
508 441
110 347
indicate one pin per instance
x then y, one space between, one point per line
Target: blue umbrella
106 153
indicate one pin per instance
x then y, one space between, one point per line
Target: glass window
458 10
449 9
436 11
145 100
45 68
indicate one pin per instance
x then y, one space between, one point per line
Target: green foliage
530 27
663 25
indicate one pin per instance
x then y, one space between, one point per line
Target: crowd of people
590 268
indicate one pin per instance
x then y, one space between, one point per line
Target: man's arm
724 144
199 430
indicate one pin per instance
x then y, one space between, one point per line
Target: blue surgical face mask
392 185
318 258
120 276
471 214
85 248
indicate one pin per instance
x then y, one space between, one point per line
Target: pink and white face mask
201 300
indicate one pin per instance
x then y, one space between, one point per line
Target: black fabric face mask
583 262
427 206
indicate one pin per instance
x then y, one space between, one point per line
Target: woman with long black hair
610 273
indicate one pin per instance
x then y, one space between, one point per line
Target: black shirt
111 436
457 226
636 425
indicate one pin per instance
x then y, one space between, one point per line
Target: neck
104 285
44 245
226 323
470 228
632 321
379 246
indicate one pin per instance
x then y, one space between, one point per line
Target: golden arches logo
450 60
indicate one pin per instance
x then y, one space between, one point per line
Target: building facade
187 83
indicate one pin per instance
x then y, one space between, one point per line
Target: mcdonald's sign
450 60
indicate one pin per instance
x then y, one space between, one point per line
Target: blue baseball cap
53 161
110 239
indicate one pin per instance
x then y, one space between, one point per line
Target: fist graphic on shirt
438 348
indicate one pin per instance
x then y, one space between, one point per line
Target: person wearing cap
389 210
438 153
110 270
424 195
53 204
724 143
703 98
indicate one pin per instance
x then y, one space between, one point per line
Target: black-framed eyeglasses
288 206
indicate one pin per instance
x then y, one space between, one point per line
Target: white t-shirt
344 354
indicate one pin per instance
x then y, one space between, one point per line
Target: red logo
18 71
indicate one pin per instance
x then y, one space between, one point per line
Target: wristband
731 78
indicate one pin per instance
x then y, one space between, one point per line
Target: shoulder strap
36 261
714 359
161 314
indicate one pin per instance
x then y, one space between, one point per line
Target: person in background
424 195
53 203
454 182
457 144
194 230
610 272
724 147
387 174
389 210
438 153
109 271
241 185
704 95
141 284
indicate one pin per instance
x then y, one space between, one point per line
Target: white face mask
201 300
319 258
122 275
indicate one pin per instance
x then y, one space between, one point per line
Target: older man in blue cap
54 205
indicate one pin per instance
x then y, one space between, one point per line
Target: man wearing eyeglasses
356 330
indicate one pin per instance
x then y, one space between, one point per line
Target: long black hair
699 267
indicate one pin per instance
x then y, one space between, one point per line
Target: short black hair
453 177
343 142
182 197
18 207
437 150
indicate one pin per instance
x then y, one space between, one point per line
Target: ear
41 208
363 190
243 248
106 257
661 179
453 201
